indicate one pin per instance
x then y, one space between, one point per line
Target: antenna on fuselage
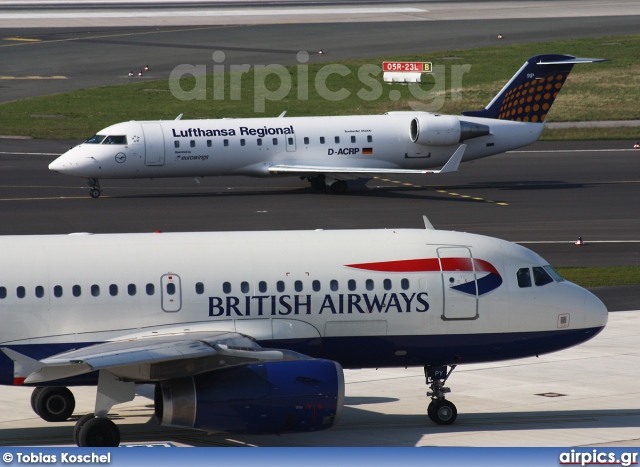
427 224
179 117
282 114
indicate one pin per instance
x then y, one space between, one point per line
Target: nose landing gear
94 184
440 410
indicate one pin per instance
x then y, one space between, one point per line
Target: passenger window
262 286
20 292
337 139
39 291
113 290
171 288
524 278
322 140
192 143
76 290
369 139
353 139
176 144
244 287
306 140
315 285
387 284
95 290
259 141
131 289
297 285
226 287
404 284
3 292
290 141
369 284
208 143
243 142
280 286
351 284
540 277
275 141
333 285
150 289
199 288
57 291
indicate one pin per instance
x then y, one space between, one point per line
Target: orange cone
579 241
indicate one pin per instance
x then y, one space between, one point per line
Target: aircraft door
153 144
291 142
171 292
460 290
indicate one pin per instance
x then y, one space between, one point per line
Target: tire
34 396
339 187
95 193
78 426
54 404
442 412
98 432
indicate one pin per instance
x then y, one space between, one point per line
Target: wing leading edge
150 359
451 166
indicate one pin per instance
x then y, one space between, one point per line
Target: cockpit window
115 140
524 277
553 273
95 139
541 277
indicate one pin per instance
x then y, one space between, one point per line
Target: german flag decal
367 150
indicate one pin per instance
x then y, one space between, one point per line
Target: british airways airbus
248 332
326 151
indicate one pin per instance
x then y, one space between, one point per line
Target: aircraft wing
150 359
451 166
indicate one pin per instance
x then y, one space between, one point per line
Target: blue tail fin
528 96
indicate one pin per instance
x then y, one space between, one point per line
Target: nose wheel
95 191
440 410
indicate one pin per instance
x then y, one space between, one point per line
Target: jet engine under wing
451 166
152 358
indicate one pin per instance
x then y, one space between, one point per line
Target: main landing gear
321 182
440 410
94 184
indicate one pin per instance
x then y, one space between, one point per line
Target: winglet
23 366
454 161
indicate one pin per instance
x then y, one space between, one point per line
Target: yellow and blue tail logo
528 96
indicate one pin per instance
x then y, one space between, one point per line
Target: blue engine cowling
259 398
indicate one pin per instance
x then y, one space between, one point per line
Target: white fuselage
360 297
199 148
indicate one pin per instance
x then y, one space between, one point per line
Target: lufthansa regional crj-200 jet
248 332
326 151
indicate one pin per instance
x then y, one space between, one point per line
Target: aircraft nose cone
596 312
57 165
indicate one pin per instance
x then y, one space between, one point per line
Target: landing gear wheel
78 426
98 432
95 193
442 412
339 187
318 183
34 395
53 404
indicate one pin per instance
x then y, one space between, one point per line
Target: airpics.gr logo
485 284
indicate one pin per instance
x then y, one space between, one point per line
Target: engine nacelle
444 130
260 398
